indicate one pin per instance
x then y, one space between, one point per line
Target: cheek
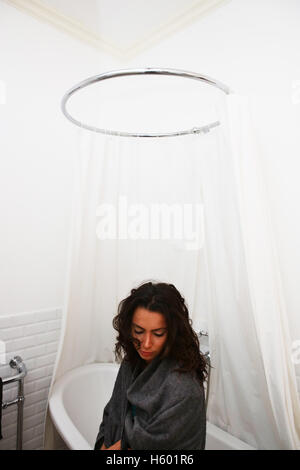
161 341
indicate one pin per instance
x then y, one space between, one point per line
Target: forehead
147 319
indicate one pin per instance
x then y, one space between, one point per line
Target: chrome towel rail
17 363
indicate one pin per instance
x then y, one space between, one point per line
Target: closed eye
156 334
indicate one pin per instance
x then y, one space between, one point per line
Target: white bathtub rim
58 412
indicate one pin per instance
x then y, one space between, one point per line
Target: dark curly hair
182 342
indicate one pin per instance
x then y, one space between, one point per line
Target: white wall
38 64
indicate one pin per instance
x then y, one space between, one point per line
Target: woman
158 400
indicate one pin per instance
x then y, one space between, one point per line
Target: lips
146 353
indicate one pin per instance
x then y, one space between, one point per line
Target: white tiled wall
34 337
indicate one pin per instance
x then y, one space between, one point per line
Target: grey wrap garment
170 409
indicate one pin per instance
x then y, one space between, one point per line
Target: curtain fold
253 391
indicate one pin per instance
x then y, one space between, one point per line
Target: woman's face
150 328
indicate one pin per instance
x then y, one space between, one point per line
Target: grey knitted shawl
170 409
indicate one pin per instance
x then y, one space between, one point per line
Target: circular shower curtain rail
146 71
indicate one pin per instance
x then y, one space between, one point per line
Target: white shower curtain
219 254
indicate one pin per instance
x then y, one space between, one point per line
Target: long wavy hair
182 341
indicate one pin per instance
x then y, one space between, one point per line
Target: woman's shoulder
184 382
126 366
129 368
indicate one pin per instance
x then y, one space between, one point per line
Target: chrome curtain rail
145 71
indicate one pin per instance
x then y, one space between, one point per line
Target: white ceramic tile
11 333
46 360
35 328
54 325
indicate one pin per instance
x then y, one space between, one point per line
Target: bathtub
79 397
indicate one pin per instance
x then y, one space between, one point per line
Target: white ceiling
120 27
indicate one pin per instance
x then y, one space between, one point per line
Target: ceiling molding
176 23
78 30
42 12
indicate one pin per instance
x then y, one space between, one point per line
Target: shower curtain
190 211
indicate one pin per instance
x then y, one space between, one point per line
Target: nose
147 343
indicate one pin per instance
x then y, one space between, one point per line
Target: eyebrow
156 329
